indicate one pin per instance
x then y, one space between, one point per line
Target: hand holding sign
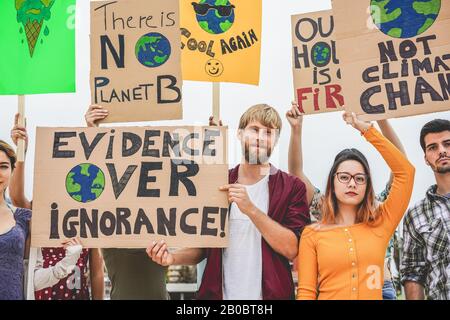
19 132
94 114
237 193
294 116
351 119
160 254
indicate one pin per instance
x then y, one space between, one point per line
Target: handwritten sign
125 187
135 59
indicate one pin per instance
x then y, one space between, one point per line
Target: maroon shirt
287 206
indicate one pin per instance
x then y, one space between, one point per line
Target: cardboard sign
37 47
125 187
221 40
395 56
315 63
135 59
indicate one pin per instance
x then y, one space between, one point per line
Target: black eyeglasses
345 177
203 8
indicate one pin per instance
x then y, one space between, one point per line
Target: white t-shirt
242 260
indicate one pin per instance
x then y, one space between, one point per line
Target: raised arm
397 201
17 184
389 133
295 155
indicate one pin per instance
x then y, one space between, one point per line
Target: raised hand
94 114
213 123
19 132
294 116
351 119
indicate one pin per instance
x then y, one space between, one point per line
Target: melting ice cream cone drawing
31 14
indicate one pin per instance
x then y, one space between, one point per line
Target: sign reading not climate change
394 56
125 187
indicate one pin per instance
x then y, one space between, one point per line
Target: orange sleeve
307 267
397 202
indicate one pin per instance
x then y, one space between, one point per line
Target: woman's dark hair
10 153
435 126
367 211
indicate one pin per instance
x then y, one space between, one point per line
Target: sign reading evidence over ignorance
125 187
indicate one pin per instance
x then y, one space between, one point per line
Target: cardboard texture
136 59
125 187
221 40
394 56
315 63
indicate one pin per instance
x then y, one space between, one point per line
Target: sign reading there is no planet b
135 59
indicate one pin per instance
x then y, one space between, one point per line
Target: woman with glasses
342 256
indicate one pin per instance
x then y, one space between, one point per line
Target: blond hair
262 113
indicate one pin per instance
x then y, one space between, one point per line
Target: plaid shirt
426 256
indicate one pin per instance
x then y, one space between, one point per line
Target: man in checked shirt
426 257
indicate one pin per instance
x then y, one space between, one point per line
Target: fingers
225 187
153 250
294 112
347 117
77 241
297 112
158 252
18 134
96 116
100 114
165 258
93 107
68 243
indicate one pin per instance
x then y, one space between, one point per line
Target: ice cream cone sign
32 14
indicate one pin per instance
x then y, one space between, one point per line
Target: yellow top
347 263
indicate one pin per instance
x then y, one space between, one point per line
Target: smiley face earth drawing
214 68
214 16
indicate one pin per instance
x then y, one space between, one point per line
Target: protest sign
221 40
315 63
394 56
37 47
125 187
135 59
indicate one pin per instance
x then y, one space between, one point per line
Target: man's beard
258 158
441 169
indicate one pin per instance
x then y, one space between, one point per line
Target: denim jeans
389 291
